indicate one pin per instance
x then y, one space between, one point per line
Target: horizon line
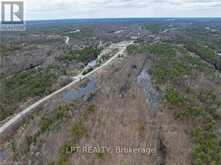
179 17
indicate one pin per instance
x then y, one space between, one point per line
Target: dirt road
121 46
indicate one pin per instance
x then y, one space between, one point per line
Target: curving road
121 46
67 39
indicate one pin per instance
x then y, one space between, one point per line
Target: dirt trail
125 117
67 39
121 46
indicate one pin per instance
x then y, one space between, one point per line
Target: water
151 93
2 156
92 64
86 90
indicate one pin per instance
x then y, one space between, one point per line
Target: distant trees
205 53
84 55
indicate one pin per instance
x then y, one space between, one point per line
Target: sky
63 9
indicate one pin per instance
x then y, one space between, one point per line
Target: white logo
12 12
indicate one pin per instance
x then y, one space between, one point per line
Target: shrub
51 120
78 130
166 71
162 49
91 108
155 28
100 155
205 53
173 97
23 85
85 55
207 149
134 49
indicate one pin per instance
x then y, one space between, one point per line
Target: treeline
174 71
206 53
84 55
23 86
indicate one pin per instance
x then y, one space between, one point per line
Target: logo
12 16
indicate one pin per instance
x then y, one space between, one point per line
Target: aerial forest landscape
108 90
